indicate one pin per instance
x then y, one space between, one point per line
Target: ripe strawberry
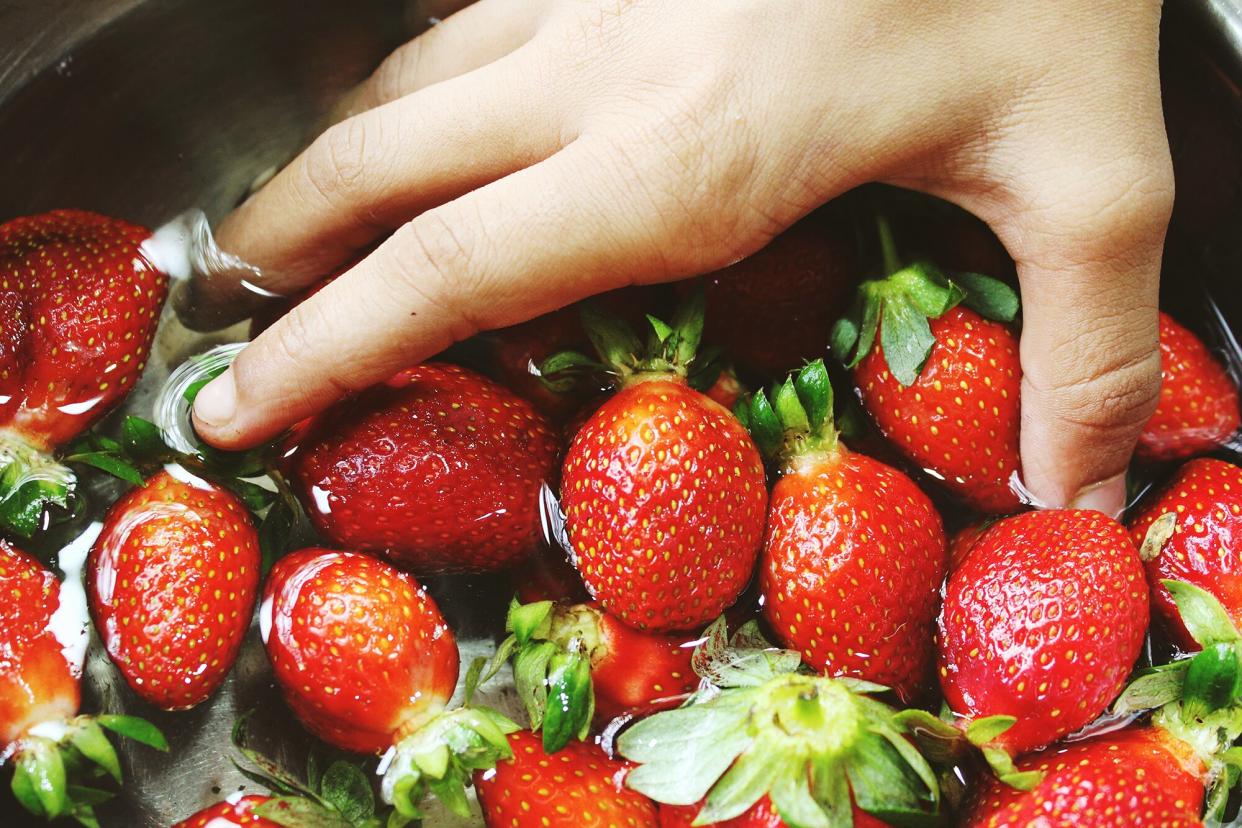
230 813
1134 778
41 735
941 381
854 554
662 485
79 303
1043 622
773 310
173 579
761 815
573 663
964 540
439 469
1197 543
1198 408
579 787
548 575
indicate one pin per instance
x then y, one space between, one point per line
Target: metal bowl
142 109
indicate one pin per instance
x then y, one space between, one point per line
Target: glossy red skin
773 310
1206 546
851 570
172 581
960 418
360 651
37 684
1135 778
579 786
633 672
1198 408
439 469
664 497
227 814
79 303
1043 621
762 815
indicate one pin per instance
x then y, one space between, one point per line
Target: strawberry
79 302
41 735
769 738
854 553
548 575
773 310
439 469
939 374
367 663
579 787
229 813
1135 778
1198 408
1191 530
173 579
661 485
573 663
1042 622
964 540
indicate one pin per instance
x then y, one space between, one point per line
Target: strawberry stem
888 248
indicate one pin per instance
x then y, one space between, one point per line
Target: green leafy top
796 419
622 356
898 306
761 726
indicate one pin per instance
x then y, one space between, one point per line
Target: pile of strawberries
773 607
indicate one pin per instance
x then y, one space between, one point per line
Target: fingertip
215 412
1107 496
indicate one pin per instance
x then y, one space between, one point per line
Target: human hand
524 155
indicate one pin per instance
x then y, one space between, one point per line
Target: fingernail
1107 496
217 402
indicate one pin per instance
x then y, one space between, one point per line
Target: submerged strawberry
854 553
938 372
173 579
1042 622
1198 408
52 750
579 787
79 304
440 469
761 815
662 488
1191 530
230 813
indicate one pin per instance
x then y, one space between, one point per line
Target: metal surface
145 108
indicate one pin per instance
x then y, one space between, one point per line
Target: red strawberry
548 575
1198 408
230 813
79 304
173 580
41 736
440 469
662 488
1043 622
964 540
572 662
762 815
579 787
1198 542
359 649
941 381
1134 778
854 554
773 310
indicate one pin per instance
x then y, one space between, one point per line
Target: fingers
473 37
528 243
370 174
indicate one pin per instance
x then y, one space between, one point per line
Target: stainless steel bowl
143 108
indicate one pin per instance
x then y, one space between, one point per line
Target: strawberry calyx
52 761
948 741
31 481
897 307
623 358
796 421
760 727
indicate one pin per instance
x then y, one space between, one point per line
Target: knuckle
336 164
399 72
1117 394
432 262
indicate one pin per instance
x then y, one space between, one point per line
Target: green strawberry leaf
570 700
256 497
844 336
815 393
1153 689
530 678
981 731
562 371
1213 680
1002 765
765 425
614 341
1205 619
688 324
143 441
925 288
108 462
789 408
529 622
347 789
276 532
906 338
89 739
988 297
39 782
296 812
746 781
132 727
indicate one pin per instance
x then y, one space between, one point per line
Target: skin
526 154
